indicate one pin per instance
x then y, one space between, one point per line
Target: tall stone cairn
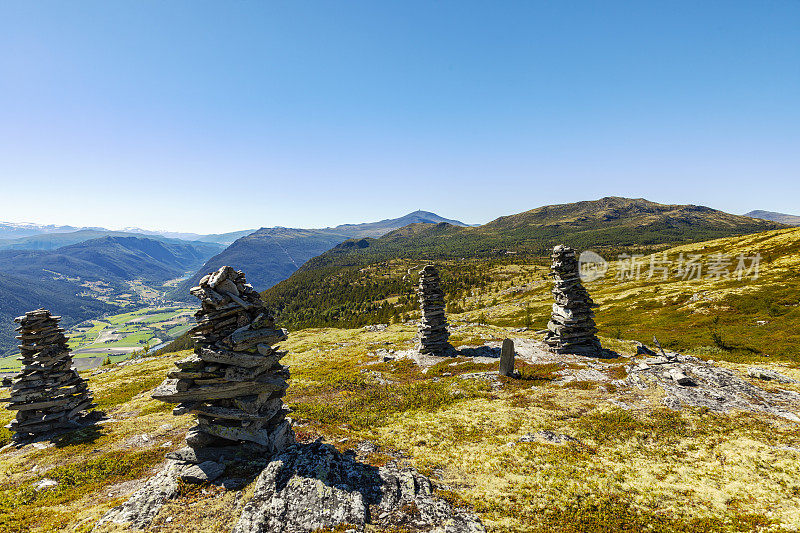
234 381
433 332
47 394
571 328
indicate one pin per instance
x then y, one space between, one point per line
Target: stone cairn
433 332
233 382
47 394
571 328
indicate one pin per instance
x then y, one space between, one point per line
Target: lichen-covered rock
202 472
309 487
687 380
143 506
768 375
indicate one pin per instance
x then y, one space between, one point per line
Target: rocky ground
575 444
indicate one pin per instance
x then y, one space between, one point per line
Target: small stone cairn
433 332
233 382
47 394
571 328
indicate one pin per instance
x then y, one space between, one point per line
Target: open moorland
574 444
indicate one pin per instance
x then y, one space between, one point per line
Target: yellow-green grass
638 469
751 319
723 319
87 462
631 470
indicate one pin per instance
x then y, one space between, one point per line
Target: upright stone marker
433 332
507 358
233 382
47 394
571 328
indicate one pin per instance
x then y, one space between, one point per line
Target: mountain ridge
58 279
607 222
55 240
341 286
28 235
270 255
106 258
783 218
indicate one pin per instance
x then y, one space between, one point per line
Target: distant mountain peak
270 255
375 229
783 218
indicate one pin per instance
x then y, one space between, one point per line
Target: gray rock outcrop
143 506
47 394
687 380
433 334
311 487
766 374
571 328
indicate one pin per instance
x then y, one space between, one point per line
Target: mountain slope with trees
57 279
350 284
270 255
53 241
19 294
108 259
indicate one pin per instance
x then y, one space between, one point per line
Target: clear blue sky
225 115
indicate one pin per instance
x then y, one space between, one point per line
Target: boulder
311 487
201 473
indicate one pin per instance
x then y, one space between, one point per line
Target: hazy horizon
171 230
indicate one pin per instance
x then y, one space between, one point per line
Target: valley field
117 336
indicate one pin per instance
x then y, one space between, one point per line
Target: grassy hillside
720 318
367 280
633 465
610 223
88 279
641 468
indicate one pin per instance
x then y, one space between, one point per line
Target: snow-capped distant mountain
16 230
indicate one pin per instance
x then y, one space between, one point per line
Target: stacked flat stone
234 381
433 332
47 394
571 328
